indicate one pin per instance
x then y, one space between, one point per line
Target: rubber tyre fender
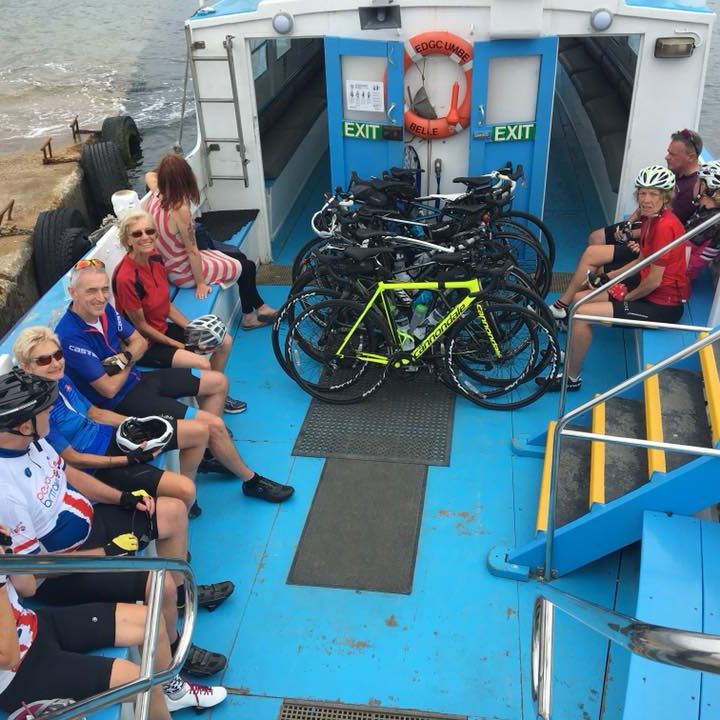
105 174
49 226
123 130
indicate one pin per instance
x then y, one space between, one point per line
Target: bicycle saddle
478 182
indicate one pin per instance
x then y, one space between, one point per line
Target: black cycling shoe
215 594
194 511
203 663
264 489
213 466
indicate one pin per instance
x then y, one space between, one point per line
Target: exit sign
519 131
364 131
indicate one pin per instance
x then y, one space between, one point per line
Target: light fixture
283 23
674 47
601 19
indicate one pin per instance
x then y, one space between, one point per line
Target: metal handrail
55 564
559 430
565 418
573 310
671 646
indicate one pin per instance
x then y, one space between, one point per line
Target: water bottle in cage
400 274
420 310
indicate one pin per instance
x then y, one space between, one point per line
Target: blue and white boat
292 97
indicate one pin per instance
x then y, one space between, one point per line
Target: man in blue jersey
101 349
51 507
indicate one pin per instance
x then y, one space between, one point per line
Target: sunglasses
139 233
690 136
43 360
88 262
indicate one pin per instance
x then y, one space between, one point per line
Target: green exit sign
364 131
518 131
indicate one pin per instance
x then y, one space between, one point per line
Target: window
282 45
258 55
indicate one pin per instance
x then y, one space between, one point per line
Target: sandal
268 318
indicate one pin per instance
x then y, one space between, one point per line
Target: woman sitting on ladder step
174 187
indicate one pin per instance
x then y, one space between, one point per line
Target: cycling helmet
147 433
655 176
23 396
206 331
710 173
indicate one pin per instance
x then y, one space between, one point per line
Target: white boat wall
514 74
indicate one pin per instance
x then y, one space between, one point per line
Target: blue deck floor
460 642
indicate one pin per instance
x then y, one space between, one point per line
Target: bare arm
177 317
137 318
9 644
151 181
647 284
105 417
89 460
91 487
182 218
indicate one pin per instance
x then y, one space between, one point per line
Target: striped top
216 266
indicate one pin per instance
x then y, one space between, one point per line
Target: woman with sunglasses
704 249
142 294
84 435
174 187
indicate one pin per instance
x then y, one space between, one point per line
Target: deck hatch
299 710
408 420
362 529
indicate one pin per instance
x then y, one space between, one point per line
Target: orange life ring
458 118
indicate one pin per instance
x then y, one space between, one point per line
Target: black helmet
147 433
23 396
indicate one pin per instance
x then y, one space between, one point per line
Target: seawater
94 59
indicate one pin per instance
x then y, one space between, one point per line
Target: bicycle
341 350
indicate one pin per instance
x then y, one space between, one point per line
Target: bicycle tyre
544 236
311 344
470 360
529 257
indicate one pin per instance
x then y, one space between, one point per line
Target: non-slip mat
223 224
408 420
362 529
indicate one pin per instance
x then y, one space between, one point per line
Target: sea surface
96 58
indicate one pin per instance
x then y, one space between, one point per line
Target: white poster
368 95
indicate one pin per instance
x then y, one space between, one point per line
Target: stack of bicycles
393 284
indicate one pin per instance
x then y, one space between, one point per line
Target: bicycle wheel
529 257
537 227
496 371
311 348
304 258
290 309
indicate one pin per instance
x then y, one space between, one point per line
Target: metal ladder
212 144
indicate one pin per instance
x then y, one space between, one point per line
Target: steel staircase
603 488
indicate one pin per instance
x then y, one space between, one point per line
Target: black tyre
50 260
123 130
497 372
536 226
104 174
313 344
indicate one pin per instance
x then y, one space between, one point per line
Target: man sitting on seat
49 508
101 349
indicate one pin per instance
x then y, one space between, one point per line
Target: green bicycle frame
472 286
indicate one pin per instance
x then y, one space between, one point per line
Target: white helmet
710 173
206 332
146 433
655 176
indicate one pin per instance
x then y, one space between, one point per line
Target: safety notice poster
367 95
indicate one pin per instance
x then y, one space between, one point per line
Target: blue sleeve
75 397
124 327
58 441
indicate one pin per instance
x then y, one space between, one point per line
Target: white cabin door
513 86
365 106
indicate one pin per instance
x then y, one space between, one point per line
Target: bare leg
212 393
193 438
594 257
171 518
219 358
169 604
597 237
582 336
222 446
178 486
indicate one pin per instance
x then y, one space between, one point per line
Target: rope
11 230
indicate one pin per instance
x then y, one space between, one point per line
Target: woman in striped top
174 187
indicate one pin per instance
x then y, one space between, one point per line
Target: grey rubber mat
409 419
362 529
272 274
306 710
560 280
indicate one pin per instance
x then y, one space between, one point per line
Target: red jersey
656 232
137 287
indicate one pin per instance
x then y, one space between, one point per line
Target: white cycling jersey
43 512
26 623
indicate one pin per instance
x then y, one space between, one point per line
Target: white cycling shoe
181 693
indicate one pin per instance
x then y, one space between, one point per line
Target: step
711 382
572 481
684 417
656 458
626 467
670 593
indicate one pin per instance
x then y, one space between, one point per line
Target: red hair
176 182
